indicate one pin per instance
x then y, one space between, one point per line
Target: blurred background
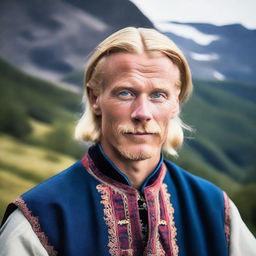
44 46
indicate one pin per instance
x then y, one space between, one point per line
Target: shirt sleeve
17 237
242 241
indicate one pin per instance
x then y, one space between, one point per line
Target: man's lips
139 133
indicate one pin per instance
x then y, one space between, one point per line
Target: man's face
139 97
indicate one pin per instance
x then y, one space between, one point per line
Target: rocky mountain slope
51 39
216 52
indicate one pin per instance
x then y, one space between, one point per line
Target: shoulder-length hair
135 41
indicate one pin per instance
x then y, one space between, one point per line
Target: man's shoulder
190 180
54 193
61 183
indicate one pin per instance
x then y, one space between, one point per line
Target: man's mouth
139 135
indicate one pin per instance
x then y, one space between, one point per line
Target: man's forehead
129 68
157 62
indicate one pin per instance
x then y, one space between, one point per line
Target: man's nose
141 110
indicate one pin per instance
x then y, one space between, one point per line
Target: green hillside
37 120
26 98
23 165
225 130
32 97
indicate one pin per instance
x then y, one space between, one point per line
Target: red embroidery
121 215
227 217
170 219
109 217
34 221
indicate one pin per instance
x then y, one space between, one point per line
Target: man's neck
136 170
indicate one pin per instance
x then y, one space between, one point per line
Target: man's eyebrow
123 86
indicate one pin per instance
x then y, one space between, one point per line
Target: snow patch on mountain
187 31
218 75
204 57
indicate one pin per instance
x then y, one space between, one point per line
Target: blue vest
92 209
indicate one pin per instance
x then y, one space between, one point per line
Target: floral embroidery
112 208
129 231
113 244
159 248
121 214
170 215
34 221
227 217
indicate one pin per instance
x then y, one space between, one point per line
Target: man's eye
158 95
125 94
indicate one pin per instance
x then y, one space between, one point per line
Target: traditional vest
92 209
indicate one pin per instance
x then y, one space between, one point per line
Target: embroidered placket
122 216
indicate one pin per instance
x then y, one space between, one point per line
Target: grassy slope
225 130
23 166
40 99
27 161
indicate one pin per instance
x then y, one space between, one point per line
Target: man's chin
135 154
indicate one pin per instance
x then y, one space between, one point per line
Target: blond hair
135 41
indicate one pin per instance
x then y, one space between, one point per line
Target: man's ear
94 101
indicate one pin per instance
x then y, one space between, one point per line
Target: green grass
11 186
28 157
22 166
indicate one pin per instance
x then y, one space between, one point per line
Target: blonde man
123 198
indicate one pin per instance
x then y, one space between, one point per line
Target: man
122 198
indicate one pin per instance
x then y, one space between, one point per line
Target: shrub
14 120
61 140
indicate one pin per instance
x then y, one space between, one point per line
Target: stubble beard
137 154
134 156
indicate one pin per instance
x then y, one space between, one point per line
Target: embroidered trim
113 244
167 196
153 243
227 218
34 221
129 230
159 248
122 217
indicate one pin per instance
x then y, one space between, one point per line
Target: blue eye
157 95
124 93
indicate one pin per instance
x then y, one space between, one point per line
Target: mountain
116 13
51 39
28 100
224 129
216 52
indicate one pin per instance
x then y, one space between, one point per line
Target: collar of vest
102 168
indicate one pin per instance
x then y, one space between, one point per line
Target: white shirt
17 237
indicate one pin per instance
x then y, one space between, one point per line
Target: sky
217 12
